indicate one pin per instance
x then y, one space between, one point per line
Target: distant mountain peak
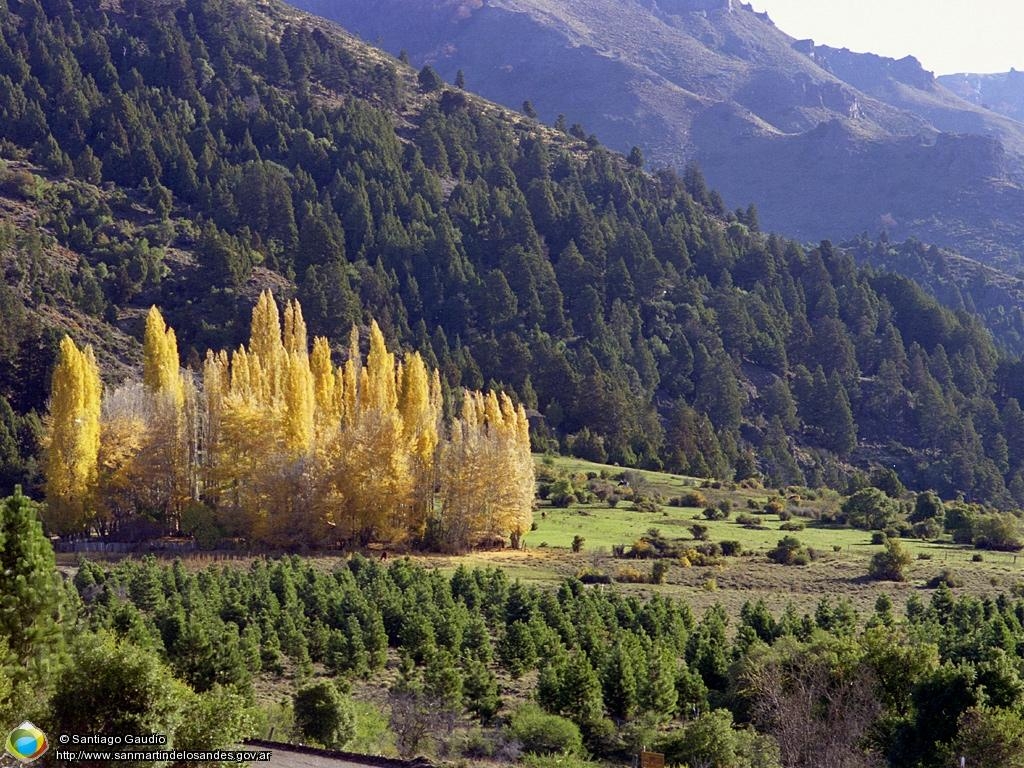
824 140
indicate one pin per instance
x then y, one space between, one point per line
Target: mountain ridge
721 85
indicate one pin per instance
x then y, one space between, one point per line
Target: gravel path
283 758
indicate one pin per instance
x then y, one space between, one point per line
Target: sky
947 36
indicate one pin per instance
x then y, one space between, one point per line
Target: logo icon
27 743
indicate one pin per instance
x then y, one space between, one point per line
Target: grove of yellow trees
276 444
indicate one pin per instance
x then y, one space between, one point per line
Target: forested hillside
190 154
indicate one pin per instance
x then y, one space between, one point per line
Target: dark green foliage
31 600
896 687
928 506
870 509
789 551
998 531
322 715
117 687
429 80
480 688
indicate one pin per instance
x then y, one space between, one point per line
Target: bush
792 526
594 577
711 549
322 715
789 551
749 521
978 558
647 504
785 515
700 532
690 499
659 569
878 537
890 564
732 548
544 734
642 549
999 532
561 493
631 575
927 529
714 513
946 577
577 543
774 507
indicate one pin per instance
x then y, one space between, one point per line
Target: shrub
641 549
647 504
890 564
659 570
631 575
789 551
732 548
878 537
978 558
594 577
577 543
322 715
999 531
792 526
946 577
700 532
713 513
690 499
562 493
774 506
785 515
544 734
711 549
748 521
927 529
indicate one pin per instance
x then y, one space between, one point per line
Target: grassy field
840 571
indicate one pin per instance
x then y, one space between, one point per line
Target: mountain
1002 93
192 153
827 143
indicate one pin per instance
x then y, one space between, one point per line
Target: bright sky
947 36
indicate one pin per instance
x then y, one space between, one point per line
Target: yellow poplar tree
421 415
165 459
369 460
73 439
487 473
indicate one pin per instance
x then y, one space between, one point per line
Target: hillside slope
1002 92
825 142
195 152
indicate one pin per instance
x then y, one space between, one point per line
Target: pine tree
30 596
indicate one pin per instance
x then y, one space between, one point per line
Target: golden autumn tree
369 461
419 405
164 464
487 481
284 448
73 439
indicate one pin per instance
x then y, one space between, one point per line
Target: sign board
652 760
